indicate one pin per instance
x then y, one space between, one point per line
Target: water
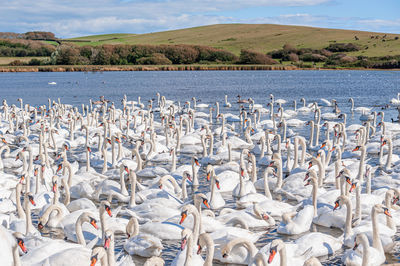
368 88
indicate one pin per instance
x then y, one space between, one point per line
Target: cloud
76 17
69 18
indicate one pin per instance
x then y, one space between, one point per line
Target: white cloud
68 18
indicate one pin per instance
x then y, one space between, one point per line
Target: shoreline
103 68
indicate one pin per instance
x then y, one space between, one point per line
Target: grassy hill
259 37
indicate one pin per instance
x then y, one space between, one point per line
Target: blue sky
69 18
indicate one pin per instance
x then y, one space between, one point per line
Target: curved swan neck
376 242
348 229
266 184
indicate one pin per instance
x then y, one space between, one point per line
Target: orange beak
93 222
309 165
356 148
89 149
107 243
353 186
336 205
198 249
126 169
387 212
208 176
183 217
17 157
272 254
54 187
35 172
108 210
59 168
205 202
323 145
196 162
93 261
32 201
217 184
4 140
21 244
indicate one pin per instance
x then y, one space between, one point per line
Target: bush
277 54
289 48
252 57
293 57
348 59
16 63
313 57
35 62
155 59
343 47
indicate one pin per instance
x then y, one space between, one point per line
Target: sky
74 18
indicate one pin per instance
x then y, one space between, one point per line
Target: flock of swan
77 182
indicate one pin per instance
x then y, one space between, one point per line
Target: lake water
368 88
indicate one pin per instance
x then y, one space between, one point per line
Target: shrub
155 59
35 62
16 63
293 57
252 57
343 47
289 48
309 57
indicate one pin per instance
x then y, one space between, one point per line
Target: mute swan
141 244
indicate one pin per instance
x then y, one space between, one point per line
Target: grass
115 38
259 37
7 60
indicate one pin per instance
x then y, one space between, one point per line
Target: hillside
259 37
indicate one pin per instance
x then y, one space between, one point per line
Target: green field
259 37
7 60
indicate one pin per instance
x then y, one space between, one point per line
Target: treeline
149 55
21 48
140 55
333 56
31 35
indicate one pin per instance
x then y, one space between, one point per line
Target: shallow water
368 88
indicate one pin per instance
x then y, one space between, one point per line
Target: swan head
54 180
380 208
187 175
20 242
196 161
108 238
353 185
339 201
184 215
93 222
201 197
96 253
360 238
31 199
186 233
107 207
276 245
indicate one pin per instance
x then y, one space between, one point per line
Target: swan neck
376 242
